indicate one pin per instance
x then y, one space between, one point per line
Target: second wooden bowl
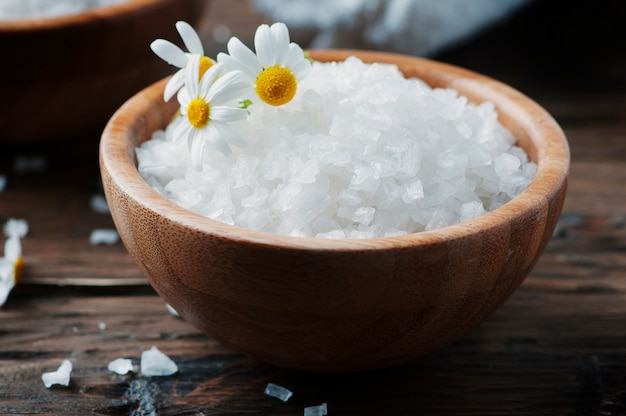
65 75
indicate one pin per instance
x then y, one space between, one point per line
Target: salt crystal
155 363
278 392
103 236
120 366
61 376
102 326
98 203
319 410
360 152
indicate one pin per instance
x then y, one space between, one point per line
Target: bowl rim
552 175
77 19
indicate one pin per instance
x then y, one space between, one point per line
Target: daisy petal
222 86
192 73
197 151
227 114
174 84
169 52
209 78
183 131
13 248
216 139
229 135
265 46
184 99
294 56
244 56
190 37
280 34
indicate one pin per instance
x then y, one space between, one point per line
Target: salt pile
61 376
360 152
22 9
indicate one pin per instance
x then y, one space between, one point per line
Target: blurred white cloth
417 27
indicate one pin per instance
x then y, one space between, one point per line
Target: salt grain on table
120 366
320 410
98 203
155 363
61 376
103 236
278 392
360 152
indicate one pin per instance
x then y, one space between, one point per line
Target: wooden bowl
65 75
338 305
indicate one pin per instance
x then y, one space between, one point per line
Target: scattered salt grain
278 392
320 410
103 236
120 366
30 164
360 152
22 9
61 376
102 326
3 182
98 204
155 363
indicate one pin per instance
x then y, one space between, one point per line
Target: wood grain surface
557 347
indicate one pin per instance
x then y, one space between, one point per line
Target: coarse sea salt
120 366
319 410
360 152
60 376
279 392
155 363
23 9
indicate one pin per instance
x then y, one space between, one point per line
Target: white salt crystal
102 326
155 363
103 236
3 182
61 376
98 203
360 152
278 392
120 366
319 410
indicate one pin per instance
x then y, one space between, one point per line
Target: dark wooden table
557 347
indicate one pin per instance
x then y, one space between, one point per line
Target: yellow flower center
205 64
18 268
276 85
198 113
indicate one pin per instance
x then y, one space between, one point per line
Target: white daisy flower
276 68
204 106
174 55
11 265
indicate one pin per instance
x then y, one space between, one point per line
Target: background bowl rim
551 177
77 19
